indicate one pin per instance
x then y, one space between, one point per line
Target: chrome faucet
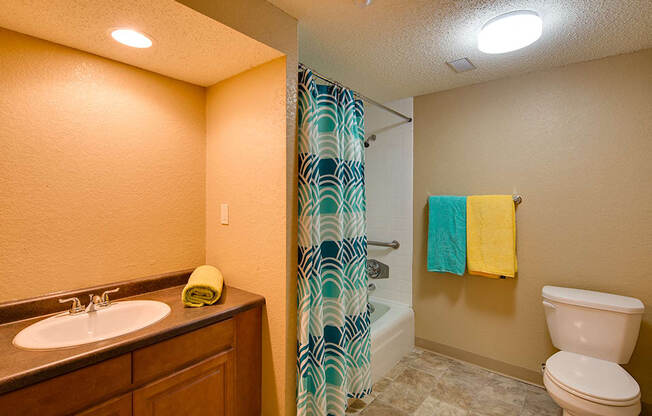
95 302
377 270
98 302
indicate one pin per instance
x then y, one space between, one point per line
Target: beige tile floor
424 383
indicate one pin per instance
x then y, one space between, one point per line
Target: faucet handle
105 295
76 305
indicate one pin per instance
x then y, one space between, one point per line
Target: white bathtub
392 335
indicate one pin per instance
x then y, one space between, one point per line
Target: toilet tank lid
591 299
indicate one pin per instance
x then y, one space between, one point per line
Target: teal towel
447 234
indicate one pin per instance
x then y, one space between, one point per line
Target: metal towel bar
516 198
395 244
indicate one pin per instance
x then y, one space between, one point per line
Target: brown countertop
20 368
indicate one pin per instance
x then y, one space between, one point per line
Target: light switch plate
224 214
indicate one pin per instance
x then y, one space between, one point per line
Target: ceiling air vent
461 65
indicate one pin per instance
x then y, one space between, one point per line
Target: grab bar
393 244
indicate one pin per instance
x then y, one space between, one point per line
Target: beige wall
246 145
102 170
266 23
576 142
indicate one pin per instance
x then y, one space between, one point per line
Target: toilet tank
596 324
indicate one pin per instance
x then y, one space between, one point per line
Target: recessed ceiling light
510 31
131 38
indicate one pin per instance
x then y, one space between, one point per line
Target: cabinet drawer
165 357
70 392
204 389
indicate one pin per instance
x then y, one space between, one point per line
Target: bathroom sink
65 330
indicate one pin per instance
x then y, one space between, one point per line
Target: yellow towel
491 235
204 287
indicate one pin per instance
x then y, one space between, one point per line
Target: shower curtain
333 346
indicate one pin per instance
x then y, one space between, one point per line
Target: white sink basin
65 330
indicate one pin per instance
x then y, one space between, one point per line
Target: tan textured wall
576 142
266 23
245 159
102 170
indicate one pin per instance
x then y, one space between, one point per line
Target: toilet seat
592 379
575 405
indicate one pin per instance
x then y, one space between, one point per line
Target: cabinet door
204 389
120 406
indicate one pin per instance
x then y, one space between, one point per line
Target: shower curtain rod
362 97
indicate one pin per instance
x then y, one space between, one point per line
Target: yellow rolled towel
204 287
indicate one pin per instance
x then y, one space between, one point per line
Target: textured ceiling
187 45
399 48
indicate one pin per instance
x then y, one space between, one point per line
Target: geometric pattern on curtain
333 345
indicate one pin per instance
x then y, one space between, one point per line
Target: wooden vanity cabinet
212 371
119 406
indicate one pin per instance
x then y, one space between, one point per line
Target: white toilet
595 332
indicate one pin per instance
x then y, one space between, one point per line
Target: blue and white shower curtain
333 346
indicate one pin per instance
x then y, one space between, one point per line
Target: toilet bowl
595 332
586 386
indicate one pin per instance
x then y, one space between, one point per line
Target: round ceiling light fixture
510 31
131 38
